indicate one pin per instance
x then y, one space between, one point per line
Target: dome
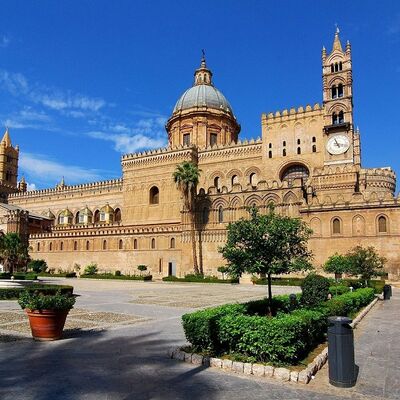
203 96
66 213
107 209
86 211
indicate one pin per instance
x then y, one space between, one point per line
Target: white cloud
4 41
30 186
43 170
27 119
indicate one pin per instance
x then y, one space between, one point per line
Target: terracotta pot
47 324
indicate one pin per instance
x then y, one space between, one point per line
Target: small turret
22 186
203 75
6 141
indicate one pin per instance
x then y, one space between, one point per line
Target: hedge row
286 338
199 278
13 293
120 277
58 275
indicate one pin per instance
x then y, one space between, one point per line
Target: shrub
38 301
279 281
37 266
5 275
117 273
142 268
315 290
25 276
120 277
13 293
91 269
338 290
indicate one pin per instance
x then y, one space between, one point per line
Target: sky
83 82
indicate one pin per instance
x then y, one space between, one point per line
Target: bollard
387 292
342 368
293 301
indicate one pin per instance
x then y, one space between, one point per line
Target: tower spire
203 75
336 43
6 141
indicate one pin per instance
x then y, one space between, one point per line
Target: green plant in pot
46 313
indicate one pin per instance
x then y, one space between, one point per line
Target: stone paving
124 355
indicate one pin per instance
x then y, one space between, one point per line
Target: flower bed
284 339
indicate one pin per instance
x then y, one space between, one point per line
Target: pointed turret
6 141
22 186
336 43
203 75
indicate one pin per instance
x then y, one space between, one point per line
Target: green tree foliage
315 290
186 176
365 262
223 270
267 244
338 264
37 266
142 268
14 253
91 269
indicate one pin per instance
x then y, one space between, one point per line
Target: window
220 215
38 247
160 266
298 141
104 244
284 143
294 172
332 68
216 183
334 92
117 215
81 218
298 150
135 244
96 216
75 245
270 146
334 119
234 179
284 152
172 244
204 217
270 154
253 178
186 139
153 243
341 117
336 226
213 139
314 139
120 244
154 195
340 66
61 219
336 67
382 224
340 90
87 245
314 148
102 216
62 246
51 246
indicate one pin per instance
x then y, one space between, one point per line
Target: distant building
307 164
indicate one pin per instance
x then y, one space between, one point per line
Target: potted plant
46 313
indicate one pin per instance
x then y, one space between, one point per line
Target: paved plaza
118 334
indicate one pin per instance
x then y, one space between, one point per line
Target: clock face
338 144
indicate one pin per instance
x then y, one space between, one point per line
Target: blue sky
83 82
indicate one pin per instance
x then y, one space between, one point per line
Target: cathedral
307 164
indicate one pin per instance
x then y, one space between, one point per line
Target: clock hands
337 143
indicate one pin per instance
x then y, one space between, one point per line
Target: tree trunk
193 236
269 309
200 253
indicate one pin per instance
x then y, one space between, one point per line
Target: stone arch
294 170
290 197
235 202
358 225
254 199
316 226
336 226
271 198
382 224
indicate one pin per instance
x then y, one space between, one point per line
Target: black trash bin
342 368
387 292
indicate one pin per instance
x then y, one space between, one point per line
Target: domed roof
107 209
203 96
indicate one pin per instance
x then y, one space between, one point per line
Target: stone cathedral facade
307 163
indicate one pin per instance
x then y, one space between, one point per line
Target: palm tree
13 252
186 177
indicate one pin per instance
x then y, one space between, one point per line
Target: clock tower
342 142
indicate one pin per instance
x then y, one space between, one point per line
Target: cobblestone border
260 370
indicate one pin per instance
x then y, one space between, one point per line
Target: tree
338 264
267 244
223 270
14 253
142 268
37 266
365 262
186 176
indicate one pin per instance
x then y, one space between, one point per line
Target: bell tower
8 161
342 144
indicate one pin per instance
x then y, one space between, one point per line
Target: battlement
67 189
292 113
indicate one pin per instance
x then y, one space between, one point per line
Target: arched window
298 141
87 245
217 183
340 90
234 179
153 243
340 66
341 117
314 139
220 215
299 150
135 244
284 152
96 216
270 154
117 215
332 68
51 246
284 143
336 67
294 172
62 246
77 218
75 245
104 244
253 176
186 139
336 226
334 92
204 216
38 247
314 148
120 244
172 244
334 119
382 224
270 146
154 195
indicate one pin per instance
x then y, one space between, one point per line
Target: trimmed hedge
284 339
338 290
118 277
60 275
199 279
25 276
279 281
13 293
